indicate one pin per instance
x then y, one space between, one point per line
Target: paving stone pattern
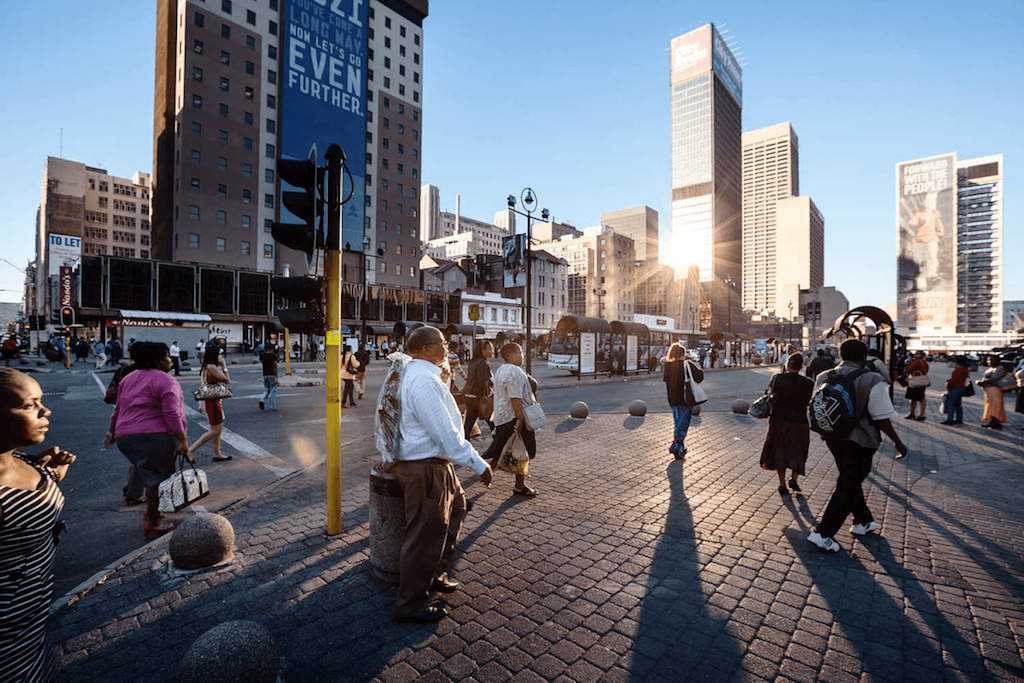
629 566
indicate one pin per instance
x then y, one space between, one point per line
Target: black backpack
833 408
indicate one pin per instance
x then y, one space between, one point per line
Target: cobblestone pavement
628 566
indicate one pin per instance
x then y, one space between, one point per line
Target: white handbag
183 488
535 417
699 395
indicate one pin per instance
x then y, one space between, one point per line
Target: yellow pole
287 354
332 274
333 343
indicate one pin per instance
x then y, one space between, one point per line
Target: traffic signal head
309 318
67 316
304 204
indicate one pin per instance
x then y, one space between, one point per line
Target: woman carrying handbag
789 435
682 381
214 373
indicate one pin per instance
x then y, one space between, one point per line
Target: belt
429 461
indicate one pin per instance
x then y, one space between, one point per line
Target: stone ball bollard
696 411
202 541
232 651
740 406
579 410
638 408
42 363
387 526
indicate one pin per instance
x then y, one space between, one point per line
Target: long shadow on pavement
680 634
885 624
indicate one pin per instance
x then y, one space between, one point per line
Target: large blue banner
324 83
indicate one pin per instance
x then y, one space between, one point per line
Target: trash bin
387 526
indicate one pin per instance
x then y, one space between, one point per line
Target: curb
100 577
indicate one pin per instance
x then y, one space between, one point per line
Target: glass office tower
706 105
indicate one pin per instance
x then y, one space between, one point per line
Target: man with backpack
850 408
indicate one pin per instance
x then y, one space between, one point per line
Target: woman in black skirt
789 435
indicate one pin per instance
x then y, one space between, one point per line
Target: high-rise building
979 245
949 226
243 83
783 233
639 223
601 270
430 212
707 102
85 212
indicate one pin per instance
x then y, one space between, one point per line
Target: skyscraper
979 246
243 83
639 223
707 87
783 233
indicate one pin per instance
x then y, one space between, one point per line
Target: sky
571 98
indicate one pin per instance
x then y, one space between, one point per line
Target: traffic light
307 290
67 316
306 236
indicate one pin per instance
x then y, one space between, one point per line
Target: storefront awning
164 315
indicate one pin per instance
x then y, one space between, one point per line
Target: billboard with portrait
690 54
322 94
926 243
513 260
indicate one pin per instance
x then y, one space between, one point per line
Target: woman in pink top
149 425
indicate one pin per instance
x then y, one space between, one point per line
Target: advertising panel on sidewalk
322 94
927 249
588 353
632 356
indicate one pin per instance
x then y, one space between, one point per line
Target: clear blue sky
571 98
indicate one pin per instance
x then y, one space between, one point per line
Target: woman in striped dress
29 505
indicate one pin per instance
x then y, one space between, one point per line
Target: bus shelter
631 347
581 345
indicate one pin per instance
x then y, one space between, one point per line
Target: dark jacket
675 381
478 378
792 394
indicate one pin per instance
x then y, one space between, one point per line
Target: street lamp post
530 204
599 293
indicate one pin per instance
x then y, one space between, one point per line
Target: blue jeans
269 391
954 404
682 415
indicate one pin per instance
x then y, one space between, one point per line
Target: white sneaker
863 529
823 542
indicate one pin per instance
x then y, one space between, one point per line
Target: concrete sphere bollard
42 363
740 406
232 651
638 408
696 411
202 541
579 410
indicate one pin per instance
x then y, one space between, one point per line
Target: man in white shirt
431 444
176 358
853 454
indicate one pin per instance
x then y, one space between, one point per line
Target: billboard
513 260
65 250
926 244
324 83
726 66
690 54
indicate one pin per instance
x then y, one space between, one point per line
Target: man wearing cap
431 444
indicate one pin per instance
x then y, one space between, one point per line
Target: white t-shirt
509 382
